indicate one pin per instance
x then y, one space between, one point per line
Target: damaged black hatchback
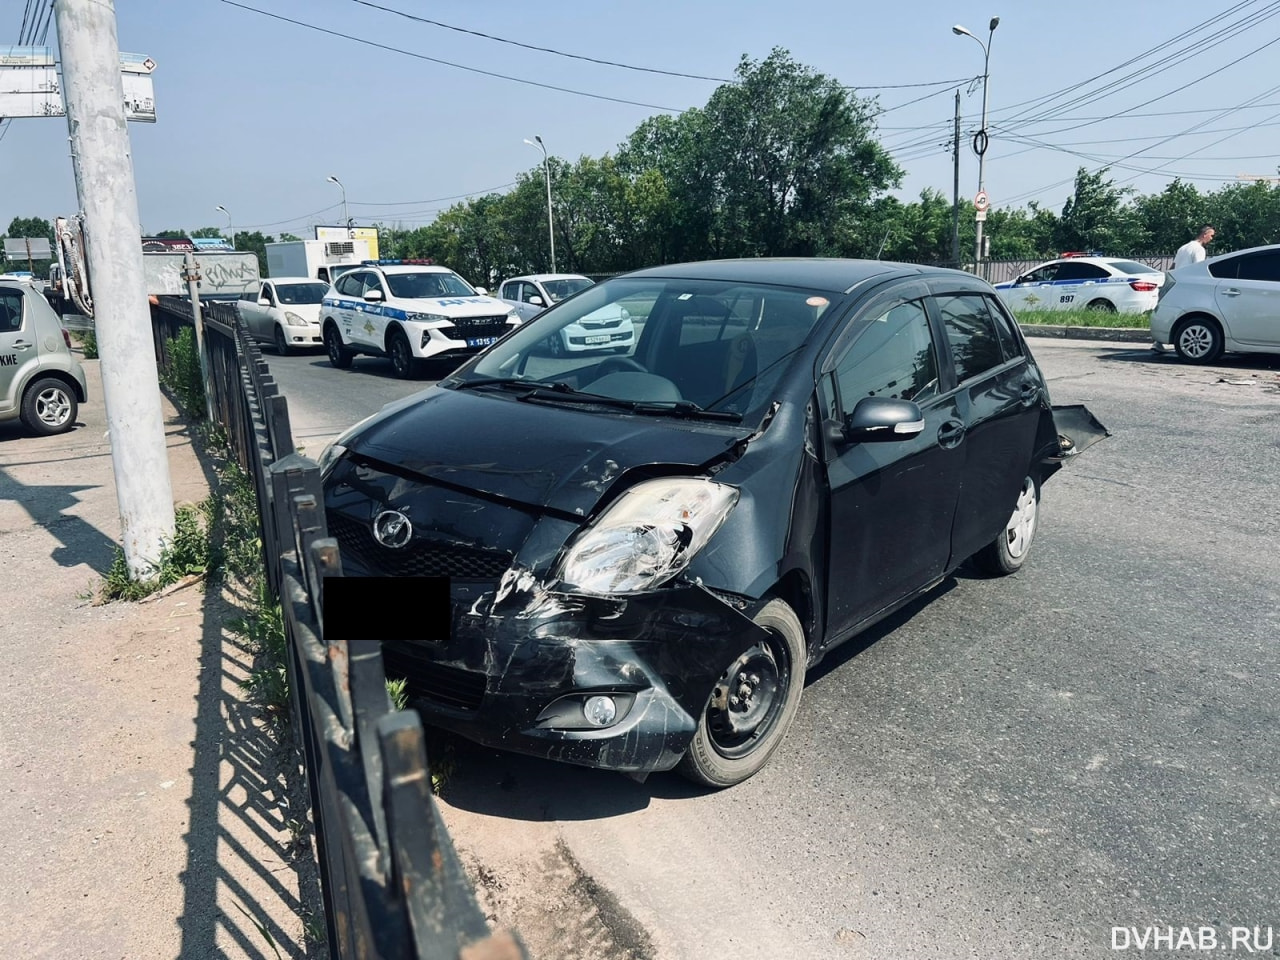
648 546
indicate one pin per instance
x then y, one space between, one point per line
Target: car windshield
559 290
294 293
1132 267
690 347
422 286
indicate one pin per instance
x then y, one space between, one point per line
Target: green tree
205 233
32 228
288 237
1244 215
1095 217
255 243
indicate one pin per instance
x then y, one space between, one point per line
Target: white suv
1231 302
410 311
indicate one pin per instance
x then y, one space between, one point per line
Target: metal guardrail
392 883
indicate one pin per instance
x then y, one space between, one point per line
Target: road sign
980 215
30 85
980 201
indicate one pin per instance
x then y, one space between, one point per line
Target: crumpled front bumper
514 652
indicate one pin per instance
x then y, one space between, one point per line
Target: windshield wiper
493 382
685 408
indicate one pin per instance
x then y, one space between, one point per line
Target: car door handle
1231 292
21 345
950 434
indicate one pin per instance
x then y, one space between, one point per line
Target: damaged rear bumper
521 664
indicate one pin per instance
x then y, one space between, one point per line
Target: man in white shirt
1193 250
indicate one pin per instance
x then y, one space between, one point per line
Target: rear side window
1133 267
1225 269
1261 266
1009 343
975 345
1081 271
10 311
893 357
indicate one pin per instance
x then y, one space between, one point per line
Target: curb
1131 334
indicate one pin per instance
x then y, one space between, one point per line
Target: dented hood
539 454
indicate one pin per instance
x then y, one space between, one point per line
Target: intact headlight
647 536
293 320
425 317
329 457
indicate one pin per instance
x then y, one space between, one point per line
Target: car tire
732 743
403 361
1009 551
339 355
281 341
1102 306
1198 339
49 407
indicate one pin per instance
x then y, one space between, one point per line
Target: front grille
465 328
428 680
421 558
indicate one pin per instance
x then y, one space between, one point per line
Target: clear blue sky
255 113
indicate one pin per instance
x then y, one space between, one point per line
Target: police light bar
395 263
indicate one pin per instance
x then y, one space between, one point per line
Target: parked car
1229 302
532 294
41 382
410 311
647 552
1095 283
284 312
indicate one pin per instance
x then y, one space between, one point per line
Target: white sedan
1095 283
284 312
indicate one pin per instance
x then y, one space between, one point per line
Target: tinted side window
894 357
1081 271
1261 266
1046 273
350 284
1225 269
975 346
10 311
1009 342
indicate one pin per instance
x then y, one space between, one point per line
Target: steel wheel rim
748 700
1022 525
53 407
1196 340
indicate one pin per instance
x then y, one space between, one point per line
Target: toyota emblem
392 529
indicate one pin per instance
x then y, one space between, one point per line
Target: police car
410 311
1094 283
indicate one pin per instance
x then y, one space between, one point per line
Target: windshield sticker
817 301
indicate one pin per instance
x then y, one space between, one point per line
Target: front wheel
282 341
49 406
752 704
402 359
339 355
1198 340
1009 551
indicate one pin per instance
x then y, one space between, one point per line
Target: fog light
600 711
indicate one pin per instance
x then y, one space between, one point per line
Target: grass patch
191 552
88 341
262 629
1085 318
183 375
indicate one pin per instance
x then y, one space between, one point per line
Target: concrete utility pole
90 55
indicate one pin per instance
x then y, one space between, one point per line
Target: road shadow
1245 362
380 367
517 787
49 506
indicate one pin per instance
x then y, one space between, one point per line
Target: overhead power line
448 63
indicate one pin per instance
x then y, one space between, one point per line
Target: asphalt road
1009 768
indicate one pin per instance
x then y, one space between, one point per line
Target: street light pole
980 139
231 237
546 169
346 220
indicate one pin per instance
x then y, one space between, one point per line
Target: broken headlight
647 536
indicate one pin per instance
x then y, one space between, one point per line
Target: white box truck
315 259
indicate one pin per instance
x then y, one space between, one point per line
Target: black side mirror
879 419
